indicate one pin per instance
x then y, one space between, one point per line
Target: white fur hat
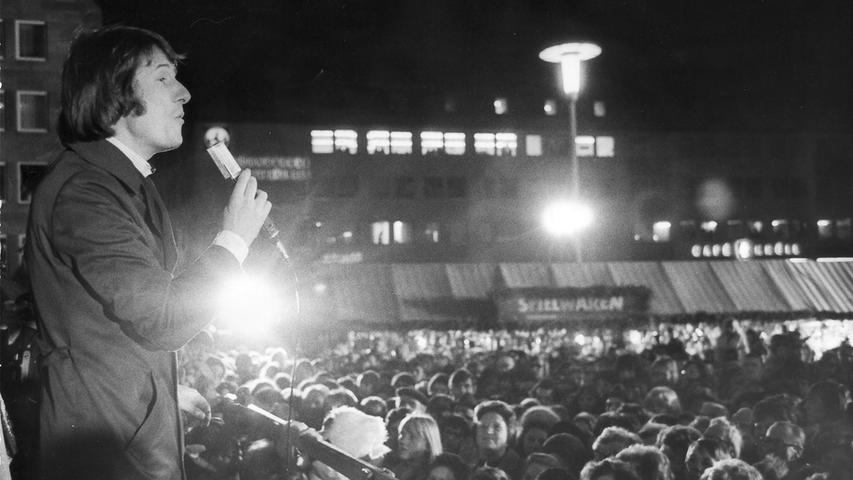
355 432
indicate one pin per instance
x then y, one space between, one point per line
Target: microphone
230 169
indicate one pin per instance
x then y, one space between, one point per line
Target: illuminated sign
555 304
275 168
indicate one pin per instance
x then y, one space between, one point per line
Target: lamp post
569 56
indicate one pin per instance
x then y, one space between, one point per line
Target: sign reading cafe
524 305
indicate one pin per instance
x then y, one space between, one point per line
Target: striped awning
749 287
580 275
471 280
522 275
415 285
697 287
364 293
663 301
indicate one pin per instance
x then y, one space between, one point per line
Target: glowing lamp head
566 217
569 56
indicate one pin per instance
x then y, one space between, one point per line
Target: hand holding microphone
247 205
247 208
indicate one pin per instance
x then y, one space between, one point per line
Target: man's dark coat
101 257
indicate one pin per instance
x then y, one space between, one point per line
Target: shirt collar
140 163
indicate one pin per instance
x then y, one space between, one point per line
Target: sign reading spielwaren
524 305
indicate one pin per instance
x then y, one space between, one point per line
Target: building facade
35 37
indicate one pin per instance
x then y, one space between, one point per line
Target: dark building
35 38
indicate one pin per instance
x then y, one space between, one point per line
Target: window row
30 40
776 229
31 111
386 142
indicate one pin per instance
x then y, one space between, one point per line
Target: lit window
30 40
506 144
346 141
585 146
843 229
431 232
501 106
322 141
780 228
380 233
824 229
484 143
32 111
401 143
402 232
756 227
533 145
451 143
454 143
378 141
599 108
696 251
709 226
605 147
550 107
660 231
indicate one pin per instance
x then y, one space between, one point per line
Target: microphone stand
310 443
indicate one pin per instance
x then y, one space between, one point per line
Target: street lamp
569 56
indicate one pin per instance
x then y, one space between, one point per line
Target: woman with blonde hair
419 442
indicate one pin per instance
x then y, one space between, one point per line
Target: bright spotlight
248 306
566 217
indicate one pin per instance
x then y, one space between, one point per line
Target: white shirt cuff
233 243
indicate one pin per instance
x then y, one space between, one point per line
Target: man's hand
193 404
247 208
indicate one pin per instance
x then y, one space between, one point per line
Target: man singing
101 256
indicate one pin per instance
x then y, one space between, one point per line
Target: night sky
666 65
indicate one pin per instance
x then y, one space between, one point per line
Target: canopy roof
405 293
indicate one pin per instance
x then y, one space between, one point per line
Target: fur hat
355 432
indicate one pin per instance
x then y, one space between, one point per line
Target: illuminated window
484 143
401 143
378 141
533 145
501 106
550 107
346 141
660 231
322 141
431 232
824 229
451 143
29 175
32 111
780 228
585 146
402 232
599 109
506 144
380 233
605 147
329 141
709 226
30 40
383 141
843 229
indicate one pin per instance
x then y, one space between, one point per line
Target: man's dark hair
97 80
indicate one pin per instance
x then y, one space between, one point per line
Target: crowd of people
749 406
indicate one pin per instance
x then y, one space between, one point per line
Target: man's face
492 432
464 389
163 97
